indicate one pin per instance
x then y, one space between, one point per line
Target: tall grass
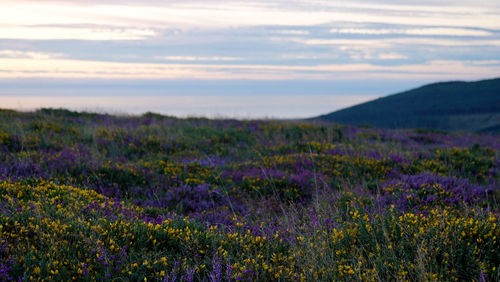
99 197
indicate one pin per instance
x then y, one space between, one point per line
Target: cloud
195 58
390 42
391 56
217 14
413 31
28 54
75 33
64 68
261 40
292 32
484 62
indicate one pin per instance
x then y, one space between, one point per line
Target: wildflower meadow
96 197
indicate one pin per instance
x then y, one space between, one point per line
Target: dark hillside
455 106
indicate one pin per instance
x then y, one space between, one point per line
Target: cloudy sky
247 59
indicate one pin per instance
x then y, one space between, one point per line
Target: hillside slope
455 106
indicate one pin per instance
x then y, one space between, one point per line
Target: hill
94 197
454 106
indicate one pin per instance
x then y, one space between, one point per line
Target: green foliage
97 197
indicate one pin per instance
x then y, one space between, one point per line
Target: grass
100 197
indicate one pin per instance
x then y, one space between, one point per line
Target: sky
276 59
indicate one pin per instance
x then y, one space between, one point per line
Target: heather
98 197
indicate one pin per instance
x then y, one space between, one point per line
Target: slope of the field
454 106
91 197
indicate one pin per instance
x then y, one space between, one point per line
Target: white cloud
28 54
390 42
484 62
447 31
292 32
306 56
216 25
391 56
413 31
76 33
64 68
195 58
413 6
215 14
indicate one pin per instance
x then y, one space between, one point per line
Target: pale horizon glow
332 47
194 106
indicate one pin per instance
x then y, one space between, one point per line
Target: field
98 197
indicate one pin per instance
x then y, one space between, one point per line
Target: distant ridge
454 106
